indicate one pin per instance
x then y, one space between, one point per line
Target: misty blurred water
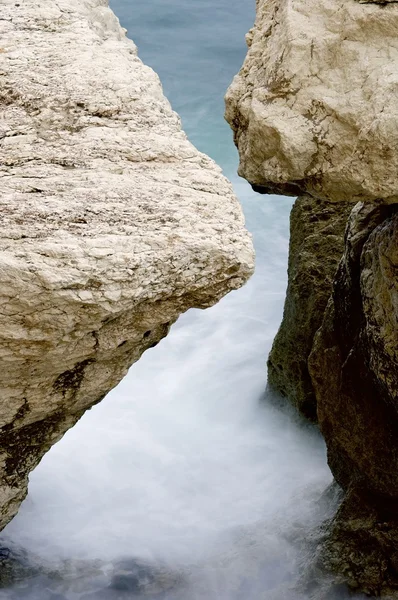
187 462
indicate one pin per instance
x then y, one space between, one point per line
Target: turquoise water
196 48
187 462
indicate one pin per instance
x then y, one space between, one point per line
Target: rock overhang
112 223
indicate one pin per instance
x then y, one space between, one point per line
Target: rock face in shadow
112 223
24 576
137 579
354 369
316 246
313 110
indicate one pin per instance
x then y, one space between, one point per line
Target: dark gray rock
136 578
316 247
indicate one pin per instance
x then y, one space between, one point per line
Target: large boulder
112 223
314 108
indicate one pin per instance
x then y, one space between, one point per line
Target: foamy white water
188 461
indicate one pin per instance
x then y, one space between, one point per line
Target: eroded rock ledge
112 223
314 110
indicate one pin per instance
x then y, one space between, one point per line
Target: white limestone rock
314 108
112 223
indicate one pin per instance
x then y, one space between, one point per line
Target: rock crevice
112 223
316 245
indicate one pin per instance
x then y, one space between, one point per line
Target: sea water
189 461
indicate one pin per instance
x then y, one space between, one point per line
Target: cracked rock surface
354 370
314 107
112 223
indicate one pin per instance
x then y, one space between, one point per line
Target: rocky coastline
314 114
112 223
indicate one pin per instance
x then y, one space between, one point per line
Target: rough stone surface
314 108
354 370
316 246
112 223
361 548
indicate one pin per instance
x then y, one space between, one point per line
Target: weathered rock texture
316 246
112 223
354 369
314 109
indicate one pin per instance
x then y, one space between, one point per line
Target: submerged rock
17 565
25 576
354 369
137 578
112 223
